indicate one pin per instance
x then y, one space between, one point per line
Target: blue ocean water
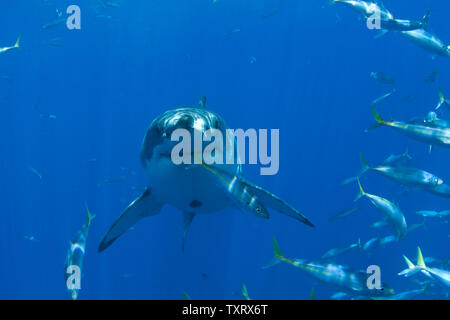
76 105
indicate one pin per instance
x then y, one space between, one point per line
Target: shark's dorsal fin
202 102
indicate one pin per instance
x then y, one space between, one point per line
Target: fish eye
258 210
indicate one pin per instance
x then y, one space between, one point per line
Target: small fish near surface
397 158
382 77
75 256
109 3
341 277
431 78
339 251
54 23
60 19
35 172
371 244
344 213
381 99
445 215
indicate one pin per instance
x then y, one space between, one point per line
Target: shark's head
160 138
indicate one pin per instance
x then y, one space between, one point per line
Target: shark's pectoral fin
144 206
271 201
188 217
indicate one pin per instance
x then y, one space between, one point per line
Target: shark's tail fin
17 44
361 192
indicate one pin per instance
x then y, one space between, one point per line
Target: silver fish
75 255
391 211
15 46
427 41
341 277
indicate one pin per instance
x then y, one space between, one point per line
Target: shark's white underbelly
190 189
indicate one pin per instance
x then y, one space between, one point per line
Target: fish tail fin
17 44
312 295
90 216
186 296
407 155
277 256
420 261
361 192
364 166
441 95
426 19
408 262
359 243
378 118
442 99
276 250
411 270
245 292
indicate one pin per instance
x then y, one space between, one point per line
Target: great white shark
192 188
